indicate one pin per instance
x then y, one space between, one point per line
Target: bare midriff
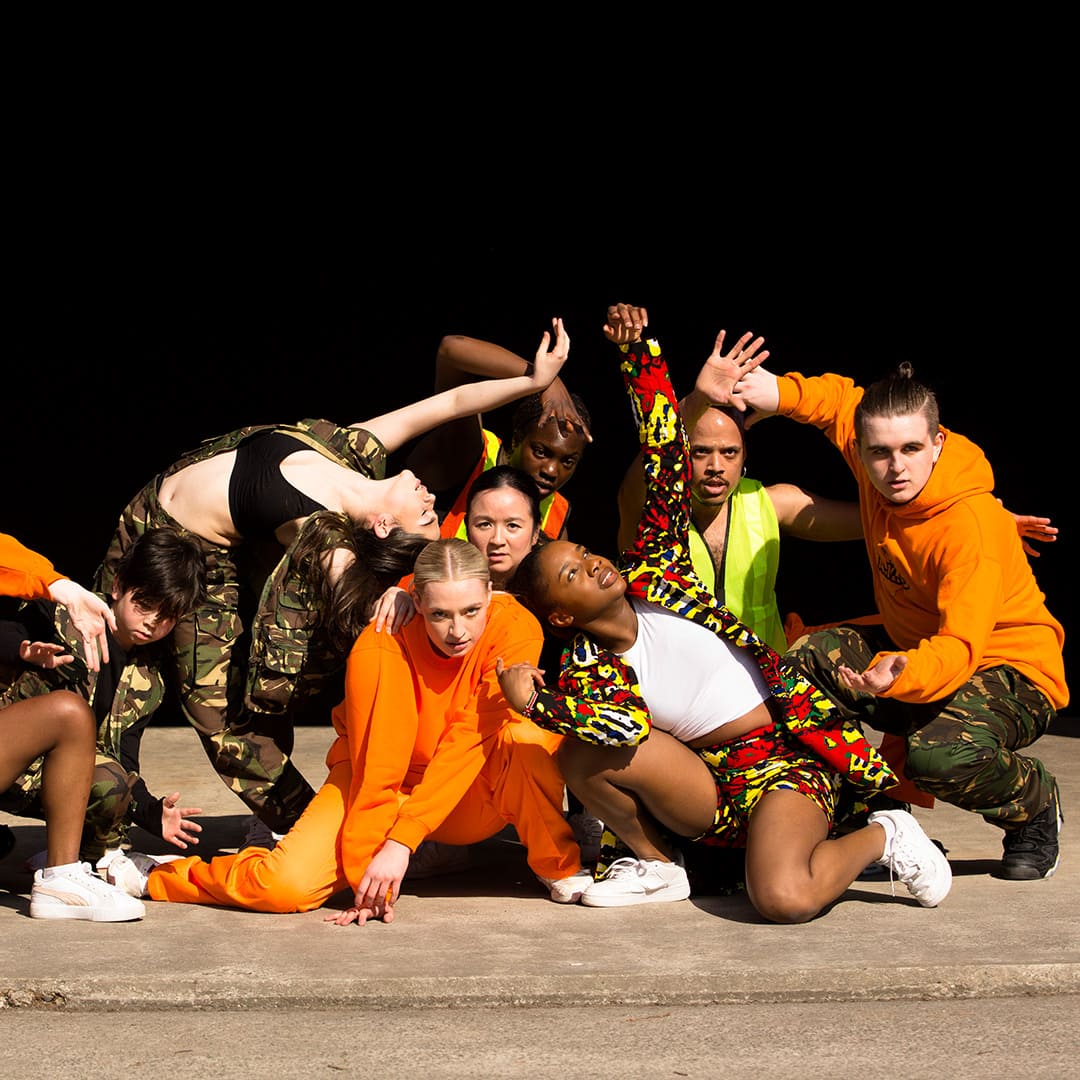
759 716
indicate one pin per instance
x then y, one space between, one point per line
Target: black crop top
261 500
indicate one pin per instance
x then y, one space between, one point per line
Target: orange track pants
520 785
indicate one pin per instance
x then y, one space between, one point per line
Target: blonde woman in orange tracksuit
427 747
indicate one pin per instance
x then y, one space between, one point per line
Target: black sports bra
261 500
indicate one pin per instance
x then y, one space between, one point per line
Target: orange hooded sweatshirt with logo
951 580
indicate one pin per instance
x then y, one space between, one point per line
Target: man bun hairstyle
898 394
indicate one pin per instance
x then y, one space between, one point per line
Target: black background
163 290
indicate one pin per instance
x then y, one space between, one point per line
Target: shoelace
902 862
624 868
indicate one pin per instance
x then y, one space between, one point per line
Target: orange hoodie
419 723
23 572
951 579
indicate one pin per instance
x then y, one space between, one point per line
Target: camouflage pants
248 750
110 796
961 749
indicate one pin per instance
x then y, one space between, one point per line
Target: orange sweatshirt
417 723
23 572
951 579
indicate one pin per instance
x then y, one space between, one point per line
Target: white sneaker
913 857
102 865
433 858
639 881
41 860
130 872
588 831
78 893
567 890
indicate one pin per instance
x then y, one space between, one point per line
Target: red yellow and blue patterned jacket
598 697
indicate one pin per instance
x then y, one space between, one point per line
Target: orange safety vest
554 508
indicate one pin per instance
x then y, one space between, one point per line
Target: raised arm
396 428
459 357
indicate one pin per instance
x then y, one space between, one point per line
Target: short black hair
165 571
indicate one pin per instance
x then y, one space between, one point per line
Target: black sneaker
1031 852
7 841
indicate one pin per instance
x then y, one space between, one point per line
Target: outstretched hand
44 654
551 355
1033 528
175 827
875 679
625 323
722 371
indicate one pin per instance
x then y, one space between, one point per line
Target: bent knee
284 887
71 709
947 763
782 902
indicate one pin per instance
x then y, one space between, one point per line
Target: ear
560 619
383 526
939 442
116 594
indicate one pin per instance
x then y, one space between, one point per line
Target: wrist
531 703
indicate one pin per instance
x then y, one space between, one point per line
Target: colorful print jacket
598 697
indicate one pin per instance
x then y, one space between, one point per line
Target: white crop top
692 680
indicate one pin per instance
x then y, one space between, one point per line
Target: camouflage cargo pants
110 796
961 749
249 751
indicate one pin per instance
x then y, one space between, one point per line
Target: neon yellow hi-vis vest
751 561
